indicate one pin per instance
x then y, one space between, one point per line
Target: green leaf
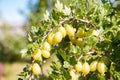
63 54
72 60
34 29
73 49
102 77
29 38
26 69
66 64
66 75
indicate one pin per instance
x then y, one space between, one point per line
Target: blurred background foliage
10 44
13 40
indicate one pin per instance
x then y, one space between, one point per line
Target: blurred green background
16 18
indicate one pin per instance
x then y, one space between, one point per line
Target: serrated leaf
63 55
73 49
66 64
66 75
72 60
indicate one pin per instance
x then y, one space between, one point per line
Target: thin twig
46 34
80 57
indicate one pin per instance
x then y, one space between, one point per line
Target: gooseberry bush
79 41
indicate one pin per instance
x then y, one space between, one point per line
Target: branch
80 57
72 19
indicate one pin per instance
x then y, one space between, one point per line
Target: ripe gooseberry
101 67
85 68
37 54
46 46
57 37
81 33
79 42
78 67
36 69
63 31
93 66
50 38
45 53
70 30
